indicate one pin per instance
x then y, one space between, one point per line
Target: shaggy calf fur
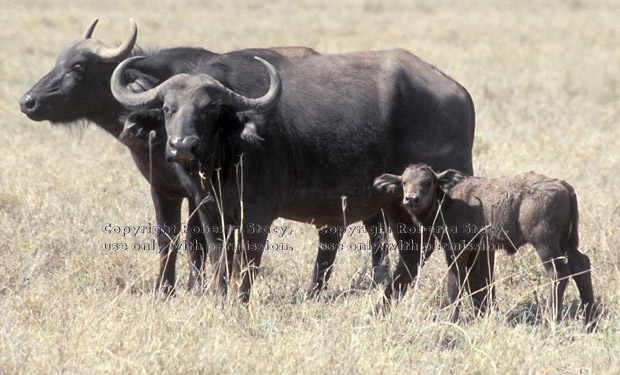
472 215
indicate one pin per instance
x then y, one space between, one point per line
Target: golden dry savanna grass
545 77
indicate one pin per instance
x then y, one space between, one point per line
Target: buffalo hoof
382 308
165 289
381 276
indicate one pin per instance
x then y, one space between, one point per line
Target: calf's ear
389 183
449 178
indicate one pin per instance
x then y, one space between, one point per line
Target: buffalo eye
168 110
78 68
427 184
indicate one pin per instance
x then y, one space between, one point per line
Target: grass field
545 78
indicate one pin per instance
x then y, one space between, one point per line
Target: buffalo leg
250 254
168 216
377 231
329 240
221 255
196 248
227 253
211 243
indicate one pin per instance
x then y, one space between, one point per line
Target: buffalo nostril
193 147
176 142
184 148
189 144
28 103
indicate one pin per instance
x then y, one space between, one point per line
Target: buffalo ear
449 178
389 183
147 119
247 126
249 133
139 124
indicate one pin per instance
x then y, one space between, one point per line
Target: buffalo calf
471 216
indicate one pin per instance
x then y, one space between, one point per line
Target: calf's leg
480 280
558 270
411 246
457 276
580 270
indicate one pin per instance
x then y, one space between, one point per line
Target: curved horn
127 98
89 31
243 103
122 51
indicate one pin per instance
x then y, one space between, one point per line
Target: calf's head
195 108
78 84
418 186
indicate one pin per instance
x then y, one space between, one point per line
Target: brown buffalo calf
470 215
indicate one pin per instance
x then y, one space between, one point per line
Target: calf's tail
574 217
580 263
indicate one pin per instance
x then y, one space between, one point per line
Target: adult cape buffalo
77 89
326 127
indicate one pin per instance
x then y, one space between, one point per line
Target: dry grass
546 82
